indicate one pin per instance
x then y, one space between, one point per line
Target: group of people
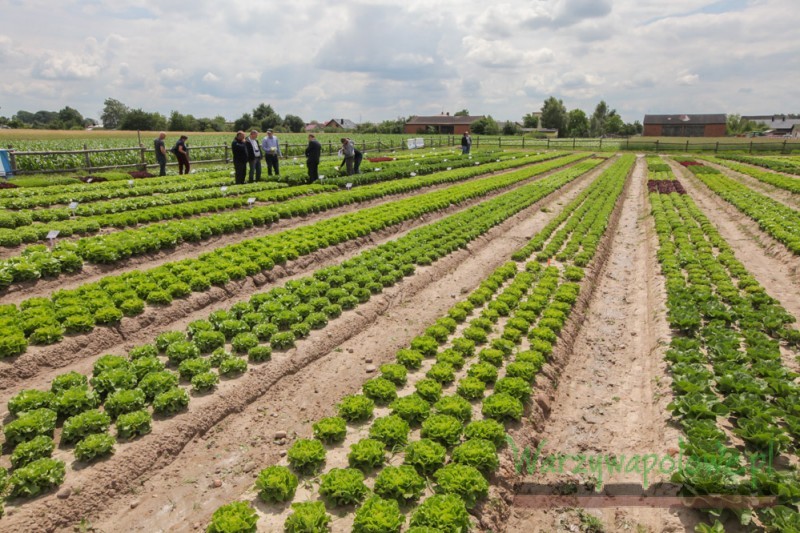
247 151
180 151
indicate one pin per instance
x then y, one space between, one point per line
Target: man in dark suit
240 157
313 153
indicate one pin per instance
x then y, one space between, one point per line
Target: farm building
341 123
713 125
441 123
776 124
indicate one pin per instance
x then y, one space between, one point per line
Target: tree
294 123
179 122
614 124
137 119
577 124
113 114
598 125
266 117
554 115
26 117
510 128
736 125
530 121
463 113
243 123
485 126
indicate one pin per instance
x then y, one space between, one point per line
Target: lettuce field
400 350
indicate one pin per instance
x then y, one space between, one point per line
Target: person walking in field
254 156
161 154
349 153
272 153
313 153
466 143
182 153
240 157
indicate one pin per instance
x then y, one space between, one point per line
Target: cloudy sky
380 59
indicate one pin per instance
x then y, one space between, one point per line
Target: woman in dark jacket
240 157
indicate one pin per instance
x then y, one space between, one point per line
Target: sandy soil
162 482
610 396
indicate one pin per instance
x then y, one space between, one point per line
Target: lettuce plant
30 399
391 430
95 446
30 425
356 408
482 454
306 517
455 406
36 448
276 484
426 455
367 454
462 480
471 388
37 477
343 486
381 390
444 429
204 381
487 429
412 408
236 516
124 401
443 512
330 430
377 515
171 401
429 390
401 483
134 424
233 366
502 407
306 455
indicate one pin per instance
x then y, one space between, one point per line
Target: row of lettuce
777 219
789 165
126 388
460 409
727 368
66 256
91 211
46 320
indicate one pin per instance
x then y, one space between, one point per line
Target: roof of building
344 123
718 118
443 120
774 122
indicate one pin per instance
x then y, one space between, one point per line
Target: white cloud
381 59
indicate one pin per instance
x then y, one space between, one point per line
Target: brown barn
685 125
446 124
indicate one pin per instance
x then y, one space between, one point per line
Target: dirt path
163 481
145 327
769 261
611 396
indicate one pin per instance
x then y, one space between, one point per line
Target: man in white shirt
272 151
254 156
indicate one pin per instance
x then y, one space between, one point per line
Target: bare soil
164 481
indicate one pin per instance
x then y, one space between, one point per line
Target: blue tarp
5 164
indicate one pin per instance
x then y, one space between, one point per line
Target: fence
143 158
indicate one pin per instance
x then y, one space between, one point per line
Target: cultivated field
515 340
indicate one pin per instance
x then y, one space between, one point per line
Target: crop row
725 358
125 387
780 221
27 198
786 165
460 431
68 256
45 321
778 180
585 203
134 211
